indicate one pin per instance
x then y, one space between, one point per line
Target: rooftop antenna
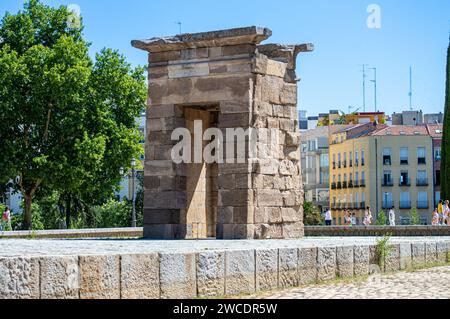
375 83
410 89
179 25
364 87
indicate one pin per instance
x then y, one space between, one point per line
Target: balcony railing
423 204
344 185
344 164
422 182
387 161
334 165
350 184
388 204
363 162
339 185
350 164
356 163
404 162
356 184
333 186
362 183
405 204
404 182
387 183
339 164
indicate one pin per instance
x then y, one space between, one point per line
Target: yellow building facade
382 168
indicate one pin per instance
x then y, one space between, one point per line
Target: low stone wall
397 231
76 233
334 231
204 273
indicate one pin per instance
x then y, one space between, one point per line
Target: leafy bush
113 214
381 219
312 216
383 249
414 217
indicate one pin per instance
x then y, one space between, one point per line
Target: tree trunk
27 221
68 210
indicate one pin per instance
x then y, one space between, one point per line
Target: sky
413 33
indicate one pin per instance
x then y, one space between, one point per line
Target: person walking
446 213
6 219
440 211
368 217
392 218
328 218
353 219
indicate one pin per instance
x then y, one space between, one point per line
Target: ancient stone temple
224 80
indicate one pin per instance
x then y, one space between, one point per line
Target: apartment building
382 167
436 133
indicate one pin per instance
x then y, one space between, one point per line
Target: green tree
312 216
69 121
414 217
381 219
445 165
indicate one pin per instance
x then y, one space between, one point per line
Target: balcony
362 183
387 161
363 163
334 165
344 164
422 182
356 163
404 161
339 185
350 184
422 161
388 204
404 182
405 204
333 186
423 204
350 164
356 184
387 183
344 185
339 164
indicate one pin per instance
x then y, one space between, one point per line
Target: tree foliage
68 121
312 216
381 219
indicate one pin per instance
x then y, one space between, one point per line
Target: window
404 179
324 178
356 158
438 178
334 161
345 159
345 178
363 160
404 156
351 159
357 178
388 201
437 197
339 160
312 145
324 160
387 156
334 178
363 178
422 200
304 147
437 154
405 201
387 178
422 179
422 155
357 199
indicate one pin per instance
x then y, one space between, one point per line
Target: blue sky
413 33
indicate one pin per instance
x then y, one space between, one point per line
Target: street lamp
133 195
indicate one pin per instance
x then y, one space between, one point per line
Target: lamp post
133 193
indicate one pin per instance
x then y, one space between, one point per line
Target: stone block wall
247 86
215 273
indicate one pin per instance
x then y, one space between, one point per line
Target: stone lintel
247 35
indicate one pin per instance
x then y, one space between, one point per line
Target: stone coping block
99 277
139 276
19 278
345 261
266 269
211 273
288 267
60 277
240 272
307 266
178 276
326 263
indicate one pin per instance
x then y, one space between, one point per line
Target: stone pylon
226 80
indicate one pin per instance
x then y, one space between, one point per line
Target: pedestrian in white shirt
328 218
392 217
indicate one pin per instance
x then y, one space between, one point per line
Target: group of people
5 222
350 218
441 215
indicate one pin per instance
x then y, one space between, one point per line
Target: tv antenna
364 86
410 94
179 26
375 87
